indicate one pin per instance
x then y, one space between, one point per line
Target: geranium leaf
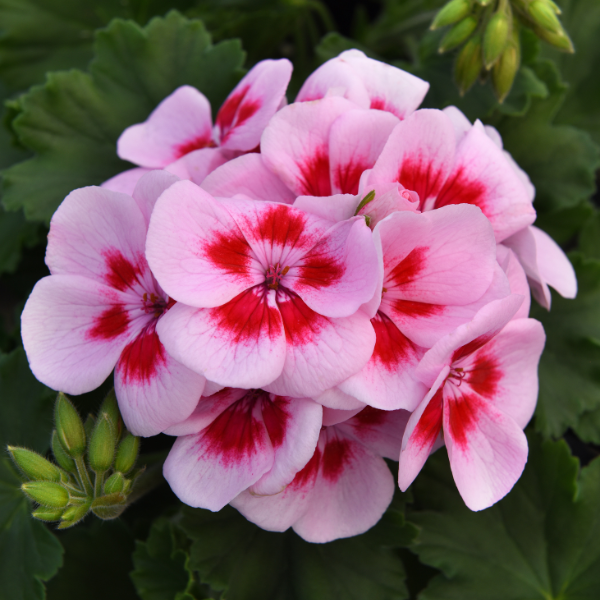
73 121
541 542
570 365
232 554
29 553
161 565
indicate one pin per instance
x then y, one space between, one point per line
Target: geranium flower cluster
303 290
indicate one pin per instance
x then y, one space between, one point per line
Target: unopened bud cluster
488 31
93 470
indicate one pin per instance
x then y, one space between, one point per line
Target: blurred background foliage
72 78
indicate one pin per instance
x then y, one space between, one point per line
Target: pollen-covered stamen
274 274
153 304
458 374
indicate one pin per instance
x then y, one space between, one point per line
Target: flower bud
114 484
451 13
69 426
458 34
495 38
468 64
73 515
111 408
61 456
46 493
88 426
127 453
33 465
558 40
47 514
505 69
101 451
544 15
484 2
107 513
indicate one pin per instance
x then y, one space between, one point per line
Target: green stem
98 481
84 476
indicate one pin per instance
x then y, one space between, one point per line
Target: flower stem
84 477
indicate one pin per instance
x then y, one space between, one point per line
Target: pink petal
422 432
487 449
389 198
239 344
209 469
196 165
293 425
356 140
419 154
249 176
321 352
333 416
517 278
339 207
339 273
387 380
150 186
295 145
208 408
196 251
247 110
101 235
74 330
335 399
483 177
180 124
126 181
154 390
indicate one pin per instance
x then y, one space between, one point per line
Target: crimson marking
202 141
460 190
392 348
417 173
276 418
462 417
142 357
314 179
336 457
301 323
110 324
122 273
430 424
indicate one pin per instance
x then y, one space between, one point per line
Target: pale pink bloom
345 487
483 389
367 83
179 134
241 439
101 305
425 154
271 294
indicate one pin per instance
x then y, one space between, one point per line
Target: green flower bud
88 426
101 451
558 40
451 13
109 506
61 456
127 486
127 453
111 408
73 515
47 514
46 493
33 465
458 34
484 2
114 484
544 15
107 513
505 69
496 37
69 426
468 64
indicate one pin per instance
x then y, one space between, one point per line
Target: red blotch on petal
418 174
462 416
319 269
408 268
301 323
392 348
472 346
276 418
347 177
429 425
202 141
236 434
336 456
230 253
110 324
315 180
121 272
378 103
282 225
248 317
236 110
460 190
307 476
142 357
370 417
416 309
483 376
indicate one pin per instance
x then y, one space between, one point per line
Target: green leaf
29 553
589 240
232 554
560 160
162 565
15 234
97 561
74 120
541 542
49 35
570 365
25 406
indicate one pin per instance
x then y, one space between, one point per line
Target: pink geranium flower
484 385
270 294
101 305
179 134
345 487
